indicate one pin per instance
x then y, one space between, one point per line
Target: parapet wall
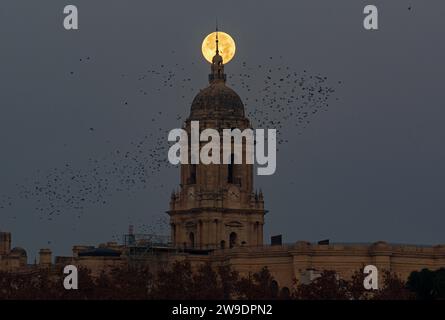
289 262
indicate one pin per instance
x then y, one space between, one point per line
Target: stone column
252 237
215 233
261 234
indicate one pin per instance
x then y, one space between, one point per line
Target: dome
217 101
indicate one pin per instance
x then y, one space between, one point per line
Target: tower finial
217 49
217 66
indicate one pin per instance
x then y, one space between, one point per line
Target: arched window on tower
192 178
285 293
274 288
192 239
233 239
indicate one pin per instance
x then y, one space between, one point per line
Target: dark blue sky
372 167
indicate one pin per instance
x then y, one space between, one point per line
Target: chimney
45 260
276 240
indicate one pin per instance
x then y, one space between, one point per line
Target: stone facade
303 260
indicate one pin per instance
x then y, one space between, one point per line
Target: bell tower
216 205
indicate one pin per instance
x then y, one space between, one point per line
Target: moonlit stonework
226 46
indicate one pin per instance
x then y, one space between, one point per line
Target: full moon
226 46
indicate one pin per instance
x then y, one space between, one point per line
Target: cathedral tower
216 206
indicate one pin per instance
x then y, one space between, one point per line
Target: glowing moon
226 46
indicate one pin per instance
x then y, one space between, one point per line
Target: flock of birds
286 99
274 94
68 188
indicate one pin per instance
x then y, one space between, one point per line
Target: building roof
217 101
99 252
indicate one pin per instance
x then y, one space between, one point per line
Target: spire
217 67
217 41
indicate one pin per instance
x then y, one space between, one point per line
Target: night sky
76 105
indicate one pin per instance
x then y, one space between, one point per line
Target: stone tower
216 206
5 243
